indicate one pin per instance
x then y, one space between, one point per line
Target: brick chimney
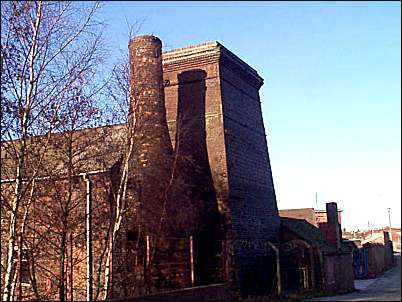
334 232
386 237
152 156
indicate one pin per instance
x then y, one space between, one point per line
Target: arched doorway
297 265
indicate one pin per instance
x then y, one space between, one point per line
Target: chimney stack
147 89
333 228
152 156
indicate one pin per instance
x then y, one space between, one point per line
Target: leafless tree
50 53
119 91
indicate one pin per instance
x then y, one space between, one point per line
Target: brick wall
44 230
338 273
215 124
229 141
252 201
321 216
376 260
251 190
208 293
380 258
194 117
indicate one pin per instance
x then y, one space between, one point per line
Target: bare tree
119 91
49 51
50 54
76 149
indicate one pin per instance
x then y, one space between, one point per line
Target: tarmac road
385 288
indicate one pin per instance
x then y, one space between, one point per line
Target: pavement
363 284
385 288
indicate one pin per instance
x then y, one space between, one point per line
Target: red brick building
315 217
309 214
200 208
321 216
213 115
327 264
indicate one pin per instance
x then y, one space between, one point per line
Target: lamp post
389 223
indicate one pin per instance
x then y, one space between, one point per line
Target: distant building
375 236
315 217
323 260
371 249
321 216
304 213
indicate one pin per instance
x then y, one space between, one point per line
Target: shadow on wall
193 165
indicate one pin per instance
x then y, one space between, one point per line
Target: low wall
207 293
380 258
376 261
389 255
338 273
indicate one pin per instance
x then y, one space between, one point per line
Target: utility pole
316 201
389 223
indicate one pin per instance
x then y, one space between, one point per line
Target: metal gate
360 262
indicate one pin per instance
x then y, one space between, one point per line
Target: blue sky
332 94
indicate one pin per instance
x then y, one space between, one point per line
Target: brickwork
43 235
206 293
152 157
333 267
321 216
193 110
252 201
235 144
380 256
332 228
338 273
207 100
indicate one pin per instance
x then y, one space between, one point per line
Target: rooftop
310 233
210 49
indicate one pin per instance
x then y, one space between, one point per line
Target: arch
292 263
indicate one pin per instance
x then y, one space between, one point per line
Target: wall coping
212 49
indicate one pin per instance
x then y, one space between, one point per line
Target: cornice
207 49
207 53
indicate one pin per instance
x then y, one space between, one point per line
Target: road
385 288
